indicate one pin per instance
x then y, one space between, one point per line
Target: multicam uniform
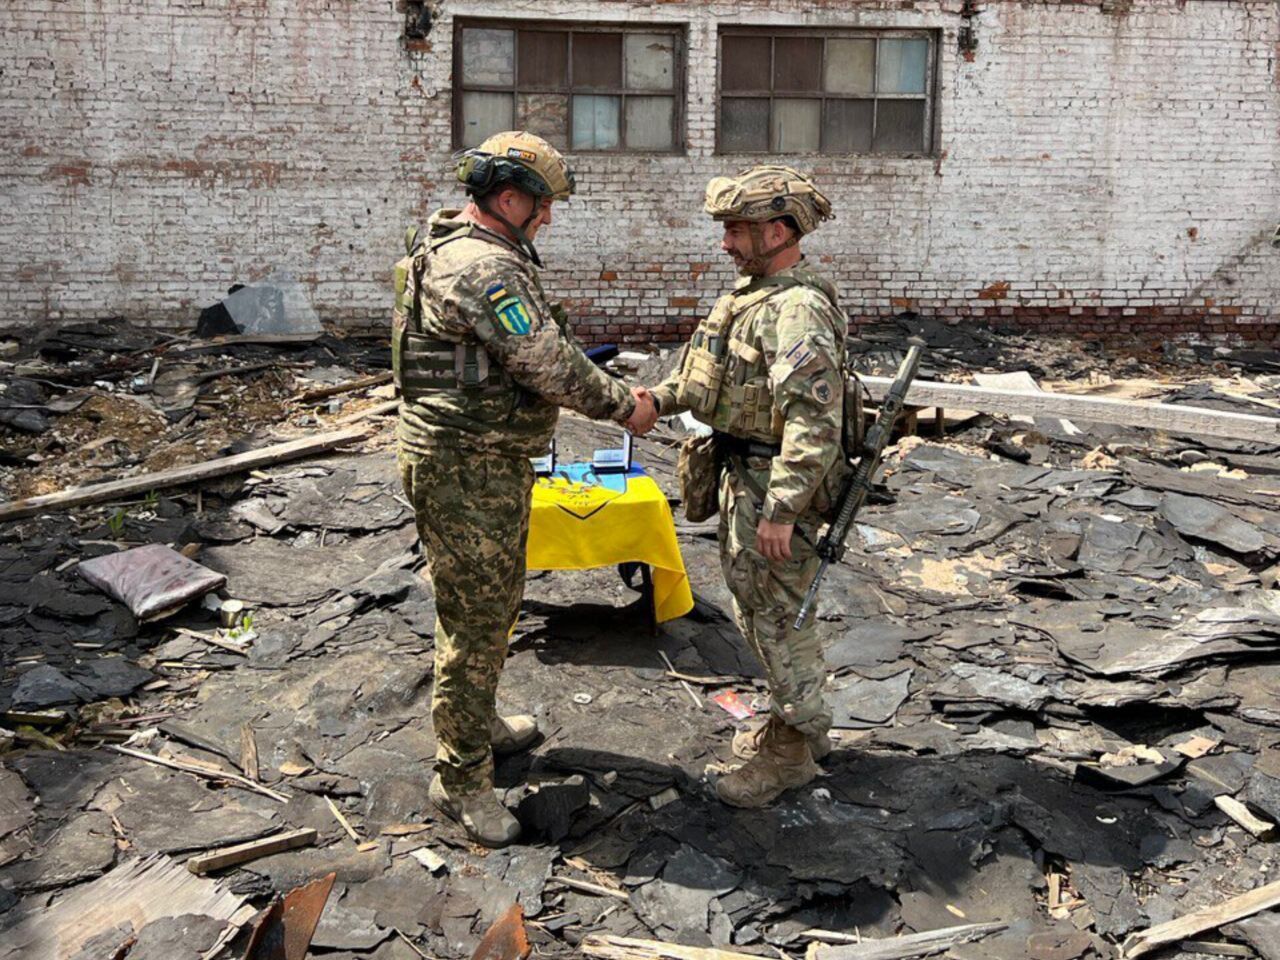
483 364
776 404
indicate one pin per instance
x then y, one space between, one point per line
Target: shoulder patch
496 292
513 315
821 391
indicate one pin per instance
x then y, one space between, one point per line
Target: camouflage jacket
782 382
479 289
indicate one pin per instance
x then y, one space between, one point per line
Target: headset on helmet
521 160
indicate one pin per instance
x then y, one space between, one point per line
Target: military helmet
518 158
768 192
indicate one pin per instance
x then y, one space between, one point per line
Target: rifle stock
854 494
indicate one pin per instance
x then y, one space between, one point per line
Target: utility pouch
704 363
698 470
854 425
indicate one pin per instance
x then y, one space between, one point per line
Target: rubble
1054 656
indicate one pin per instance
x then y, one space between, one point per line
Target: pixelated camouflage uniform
782 384
464 455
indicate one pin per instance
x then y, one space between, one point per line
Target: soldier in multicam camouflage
766 371
484 363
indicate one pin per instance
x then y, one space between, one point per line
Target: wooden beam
332 390
244 852
633 948
1200 921
208 774
377 410
906 947
177 476
1242 815
1171 418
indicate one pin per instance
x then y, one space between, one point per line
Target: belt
742 447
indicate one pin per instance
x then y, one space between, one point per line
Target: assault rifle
831 547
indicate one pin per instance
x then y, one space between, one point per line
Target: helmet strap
521 237
759 261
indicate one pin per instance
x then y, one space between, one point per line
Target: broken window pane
850 66
597 60
595 123
902 66
744 125
543 58
899 126
649 123
650 61
487 56
797 63
547 115
795 125
484 114
744 63
846 127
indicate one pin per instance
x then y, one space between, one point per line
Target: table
622 519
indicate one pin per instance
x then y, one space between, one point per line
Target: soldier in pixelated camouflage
484 362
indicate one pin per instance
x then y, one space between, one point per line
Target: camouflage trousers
766 599
472 512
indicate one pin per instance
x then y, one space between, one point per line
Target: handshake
645 415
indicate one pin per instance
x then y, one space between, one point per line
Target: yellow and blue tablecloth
611 519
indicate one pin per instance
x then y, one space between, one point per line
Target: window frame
777 32
678 93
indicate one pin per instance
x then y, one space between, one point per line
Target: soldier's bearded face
737 242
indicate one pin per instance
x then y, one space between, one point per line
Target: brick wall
1103 167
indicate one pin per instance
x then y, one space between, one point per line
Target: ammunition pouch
698 471
704 362
428 365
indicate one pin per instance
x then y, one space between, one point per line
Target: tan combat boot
484 818
746 743
511 734
784 761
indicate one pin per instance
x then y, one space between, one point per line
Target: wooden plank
633 948
208 774
585 886
910 946
1211 949
334 389
345 823
1237 811
1200 921
1177 419
136 892
377 410
257 339
249 754
176 476
253 850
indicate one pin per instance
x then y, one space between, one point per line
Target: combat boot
481 814
511 734
746 743
784 761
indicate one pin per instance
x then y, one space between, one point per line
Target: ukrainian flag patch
496 292
513 316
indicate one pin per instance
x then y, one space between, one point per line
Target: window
841 91
582 88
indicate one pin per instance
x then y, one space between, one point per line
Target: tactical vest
743 409
424 365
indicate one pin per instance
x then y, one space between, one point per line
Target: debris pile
1054 656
